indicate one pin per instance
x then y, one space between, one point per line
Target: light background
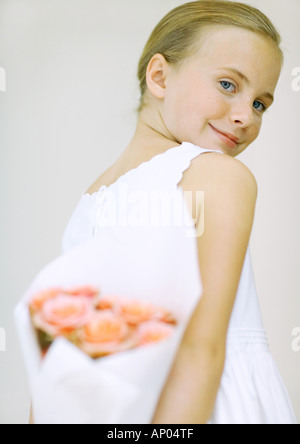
69 112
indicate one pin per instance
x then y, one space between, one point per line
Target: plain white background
68 113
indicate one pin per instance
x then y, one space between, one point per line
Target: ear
156 76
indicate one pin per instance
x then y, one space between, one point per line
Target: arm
230 189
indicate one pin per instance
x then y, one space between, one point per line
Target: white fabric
251 390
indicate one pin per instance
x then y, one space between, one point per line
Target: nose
242 114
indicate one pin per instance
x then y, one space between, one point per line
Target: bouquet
98 325
100 328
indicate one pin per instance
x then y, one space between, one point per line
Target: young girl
207 75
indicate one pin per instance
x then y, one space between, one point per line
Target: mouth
229 139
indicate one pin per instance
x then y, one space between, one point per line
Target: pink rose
154 331
166 317
87 291
108 303
104 334
136 312
43 296
63 315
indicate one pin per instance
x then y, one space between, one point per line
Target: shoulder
215 170
224 226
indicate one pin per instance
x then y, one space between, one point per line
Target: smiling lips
228 138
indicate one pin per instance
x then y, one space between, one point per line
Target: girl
207 75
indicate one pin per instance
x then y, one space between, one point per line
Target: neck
151 134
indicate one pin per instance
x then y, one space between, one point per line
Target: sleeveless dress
251 390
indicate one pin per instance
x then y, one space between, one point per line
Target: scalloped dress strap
180 160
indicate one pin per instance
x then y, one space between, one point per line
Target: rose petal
105 333
104 349
63 314
37 301
167 317
87 291
136 312
108 303
151 332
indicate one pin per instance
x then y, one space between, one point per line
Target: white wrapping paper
67 386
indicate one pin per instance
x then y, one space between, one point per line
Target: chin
240 151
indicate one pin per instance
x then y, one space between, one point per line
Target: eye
259 106
227 86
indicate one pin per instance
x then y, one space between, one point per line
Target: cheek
215 107
255 130
205 102
197 106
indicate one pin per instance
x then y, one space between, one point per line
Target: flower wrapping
108 363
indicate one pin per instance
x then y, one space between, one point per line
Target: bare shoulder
216 169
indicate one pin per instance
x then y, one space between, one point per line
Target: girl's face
216 99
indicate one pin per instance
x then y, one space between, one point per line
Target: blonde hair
176 34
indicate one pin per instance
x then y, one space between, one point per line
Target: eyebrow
243 77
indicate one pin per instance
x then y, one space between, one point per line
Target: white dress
251 390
